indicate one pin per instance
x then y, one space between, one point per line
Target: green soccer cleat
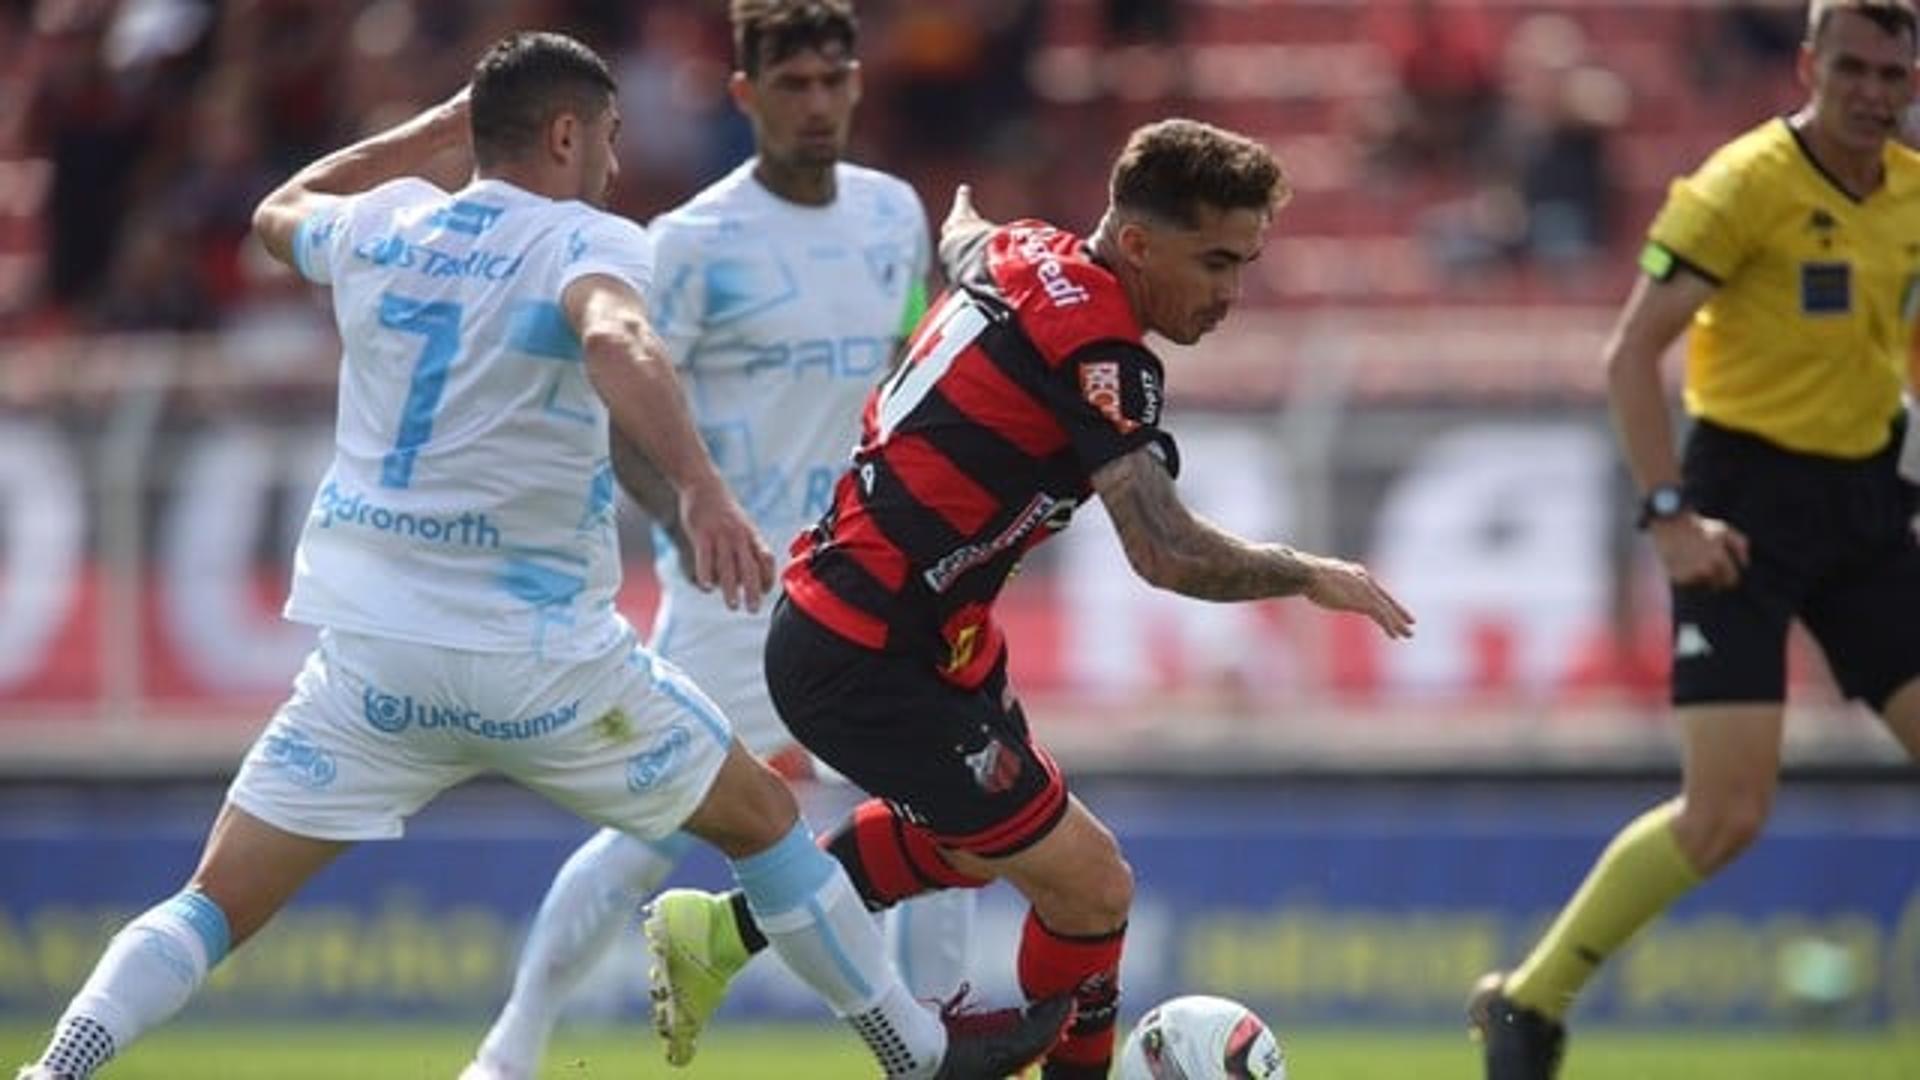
696 952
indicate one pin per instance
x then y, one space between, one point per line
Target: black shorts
1831 543
959 762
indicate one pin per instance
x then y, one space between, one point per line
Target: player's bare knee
1109 896
748 809
1090 893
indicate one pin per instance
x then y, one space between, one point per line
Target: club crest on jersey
1100 385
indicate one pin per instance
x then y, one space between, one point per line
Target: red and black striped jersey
1021 381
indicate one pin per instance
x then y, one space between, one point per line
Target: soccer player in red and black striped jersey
1027 389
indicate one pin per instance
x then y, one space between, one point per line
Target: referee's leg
1902 716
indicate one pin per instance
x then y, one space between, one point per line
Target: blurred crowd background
1445 150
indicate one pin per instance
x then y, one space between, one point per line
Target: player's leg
952 769
1728 689
930 939
317 779
153 966
1081 891
675 766
603 884
595 893
803 903
1860 617
1902 715
1732 761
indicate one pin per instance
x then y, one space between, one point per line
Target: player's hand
683 550
962 215
1699 550
728 553
1343 586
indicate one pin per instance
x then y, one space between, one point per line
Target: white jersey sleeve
612 246
326 235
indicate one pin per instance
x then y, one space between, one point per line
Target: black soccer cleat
999 1043
1517 1043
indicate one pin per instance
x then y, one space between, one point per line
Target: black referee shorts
959 762
1832 544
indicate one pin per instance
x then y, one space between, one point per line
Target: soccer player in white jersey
460 563
781 292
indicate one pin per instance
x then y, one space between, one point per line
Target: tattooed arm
1172 549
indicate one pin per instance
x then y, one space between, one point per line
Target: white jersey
470 499
781 318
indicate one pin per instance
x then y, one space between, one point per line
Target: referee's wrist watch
1661 503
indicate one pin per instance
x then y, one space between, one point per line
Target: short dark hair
523 82
1895 17
769 31
1170 167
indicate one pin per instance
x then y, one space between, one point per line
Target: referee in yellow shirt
1793 256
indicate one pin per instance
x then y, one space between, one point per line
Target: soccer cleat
40 1072
1516 1042
696 952
998 1043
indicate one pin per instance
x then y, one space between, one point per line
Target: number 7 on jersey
438 321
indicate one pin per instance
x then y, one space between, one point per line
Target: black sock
750 934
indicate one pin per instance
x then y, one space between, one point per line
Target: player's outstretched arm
629 368
436 145
1173 549
1695 549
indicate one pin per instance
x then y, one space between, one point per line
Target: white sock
930 938
150 969
594 895
812 917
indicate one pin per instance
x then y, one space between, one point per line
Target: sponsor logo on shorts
296 755
1690 643
395 713
646 769
995 768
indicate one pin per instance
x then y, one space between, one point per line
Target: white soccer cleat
39 1072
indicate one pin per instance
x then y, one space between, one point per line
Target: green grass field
408 1053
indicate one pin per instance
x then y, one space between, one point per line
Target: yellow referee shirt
1805 341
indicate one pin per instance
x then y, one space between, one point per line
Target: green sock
1637 877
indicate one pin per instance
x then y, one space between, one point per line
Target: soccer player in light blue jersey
781 292
460 562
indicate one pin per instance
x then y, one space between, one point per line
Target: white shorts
724 652
376 728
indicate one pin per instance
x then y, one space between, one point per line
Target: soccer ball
1200 1037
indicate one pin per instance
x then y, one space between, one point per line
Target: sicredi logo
1061 289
